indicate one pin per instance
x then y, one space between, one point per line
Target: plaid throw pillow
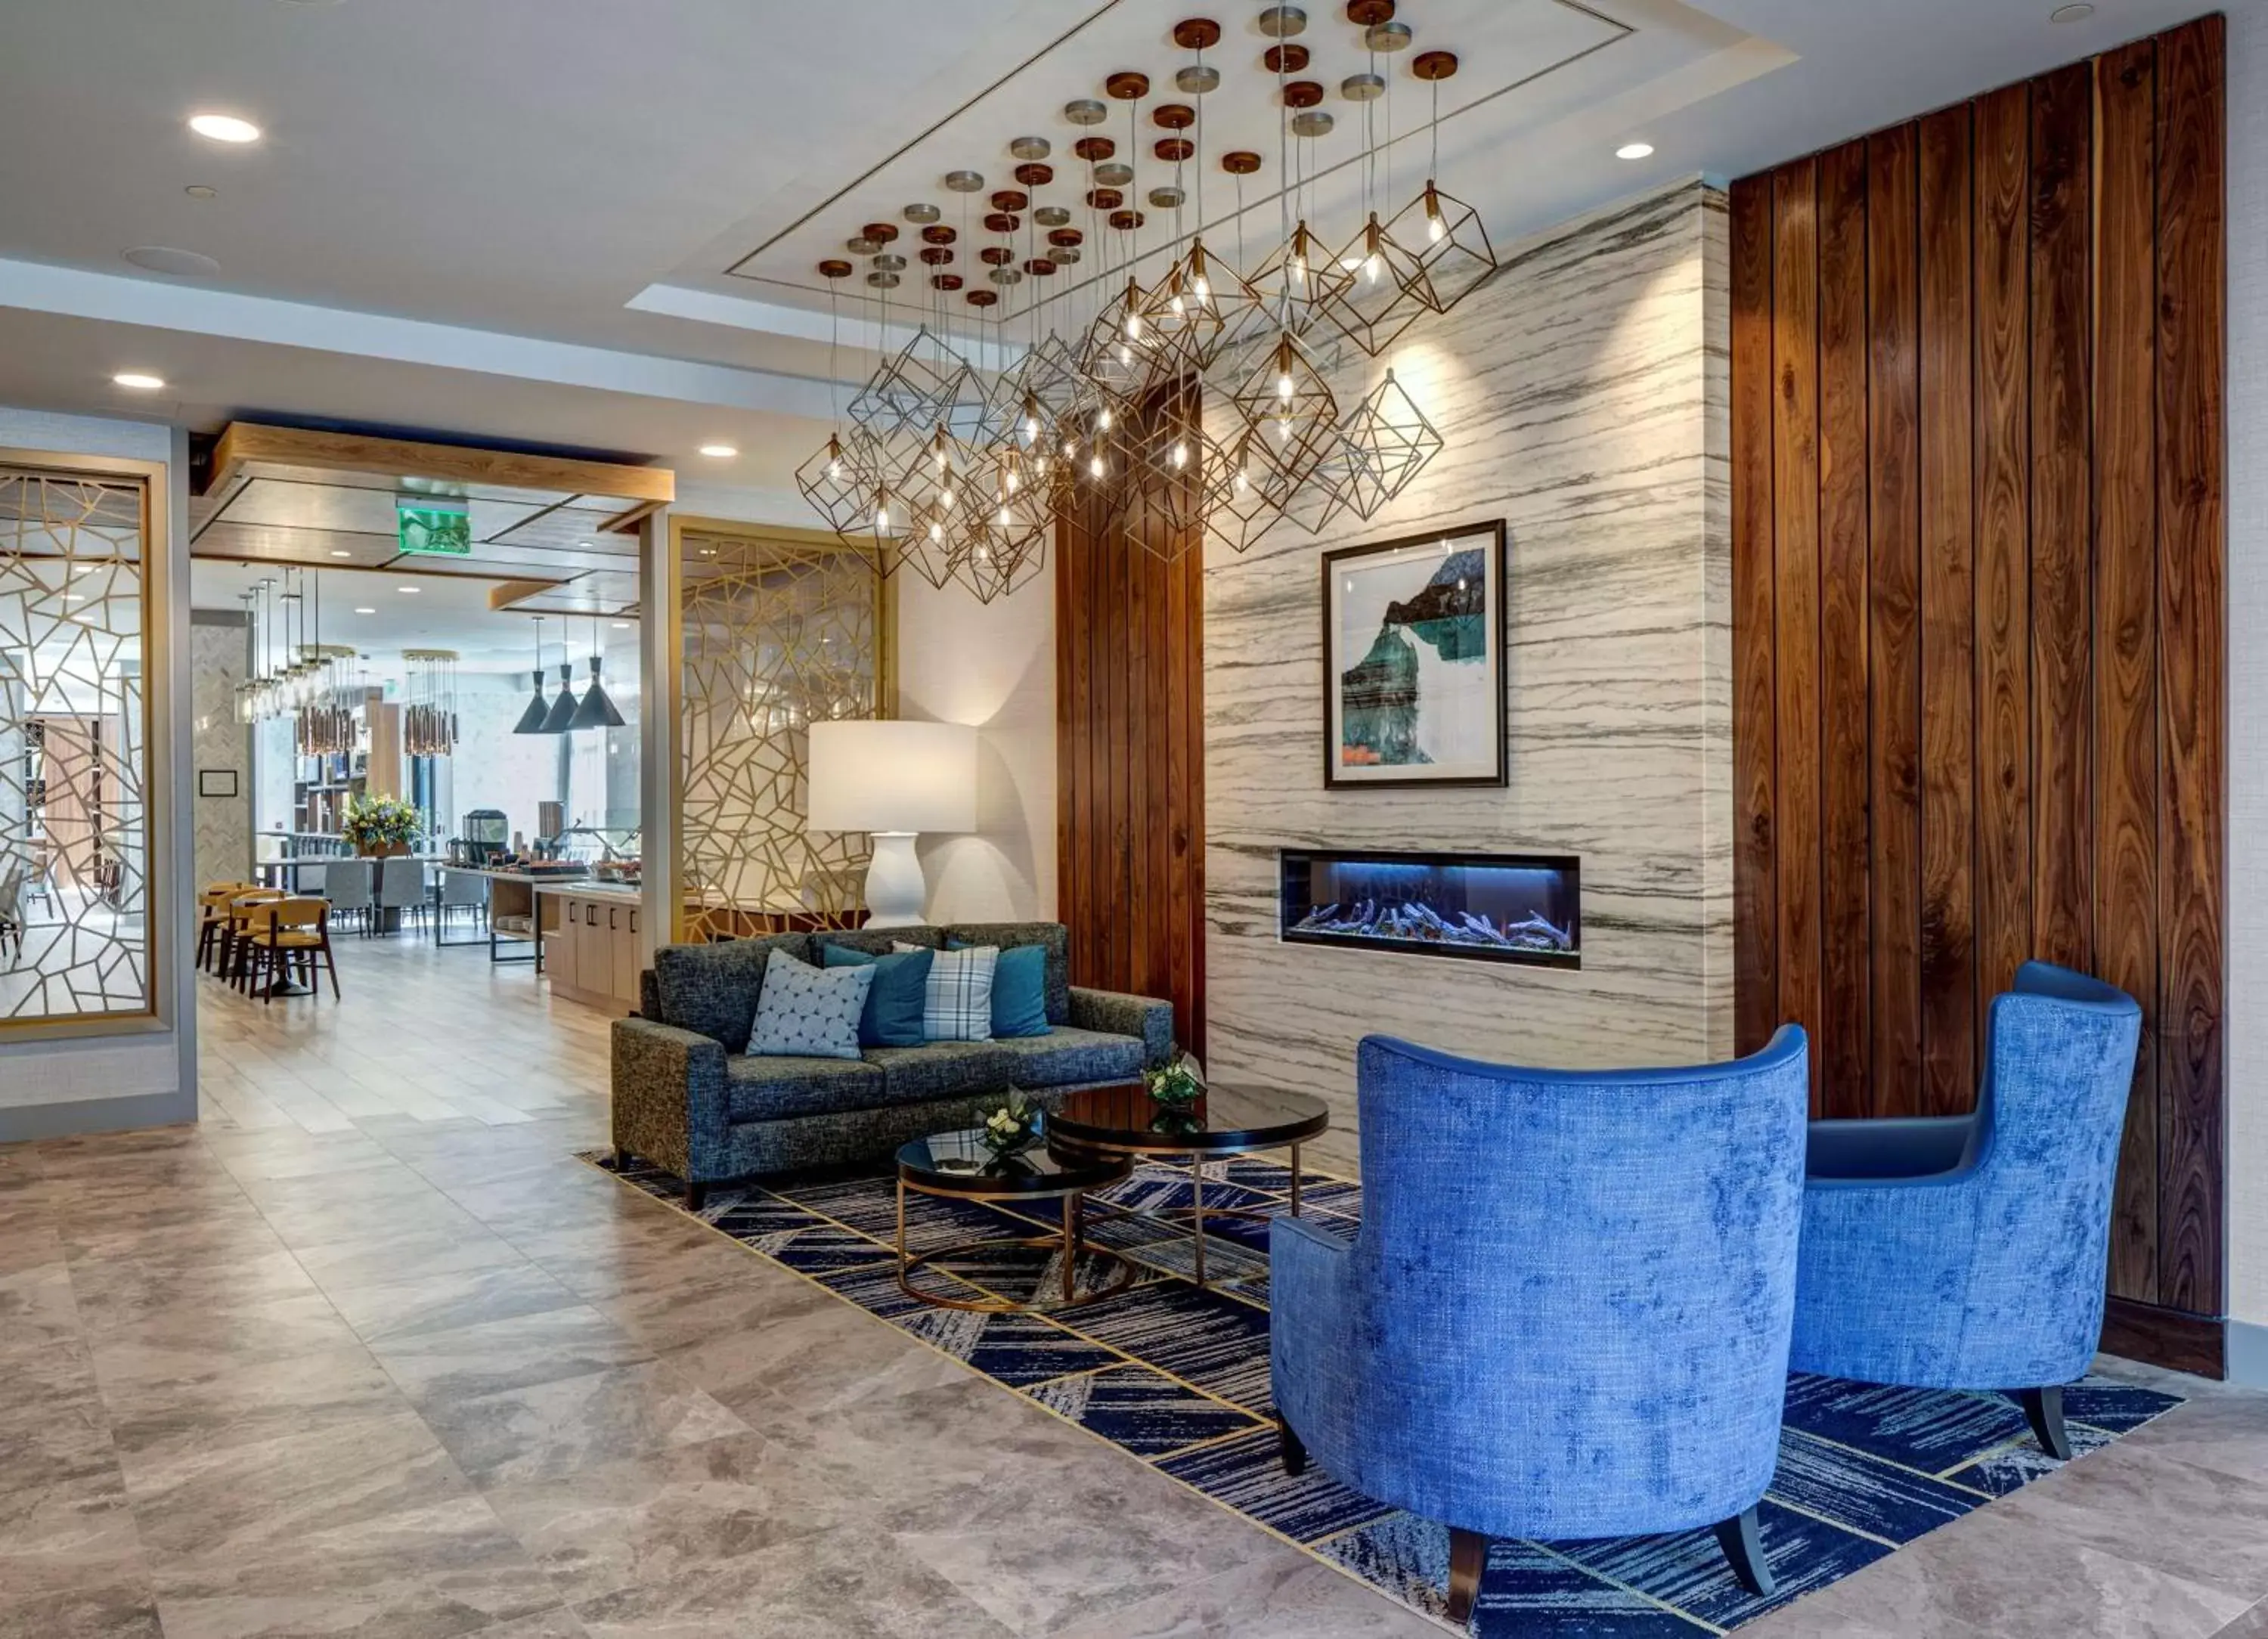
957 1006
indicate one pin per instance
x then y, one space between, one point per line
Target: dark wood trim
1756 913
2170 1338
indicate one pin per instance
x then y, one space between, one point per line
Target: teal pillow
893 1015
1020 990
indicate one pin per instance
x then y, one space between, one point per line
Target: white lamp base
896 893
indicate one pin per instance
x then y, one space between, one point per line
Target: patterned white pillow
808 1012
958 1004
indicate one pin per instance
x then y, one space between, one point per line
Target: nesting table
958 1164
1126 1122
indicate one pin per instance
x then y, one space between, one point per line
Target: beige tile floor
367 1353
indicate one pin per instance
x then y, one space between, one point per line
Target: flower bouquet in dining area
381 825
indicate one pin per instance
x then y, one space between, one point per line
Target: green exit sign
438 527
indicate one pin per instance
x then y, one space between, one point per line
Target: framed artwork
1413 661
215 781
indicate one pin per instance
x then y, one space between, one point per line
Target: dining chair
346 884
293 933
460 889
243 910
12 907
401 886
212 916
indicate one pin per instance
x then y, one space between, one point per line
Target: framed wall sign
215 781
1413 660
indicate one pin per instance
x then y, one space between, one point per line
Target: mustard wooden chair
243 909
293 933
212 916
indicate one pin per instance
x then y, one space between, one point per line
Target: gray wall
220 650
1583 395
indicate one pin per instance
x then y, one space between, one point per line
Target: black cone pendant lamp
532 719
562 715
596 712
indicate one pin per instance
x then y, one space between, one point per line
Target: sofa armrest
669 1104
1123 1015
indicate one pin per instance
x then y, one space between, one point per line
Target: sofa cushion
957 1006
1065 1056
809 1013
1019 991
773 1089
1051 936
942 1070
893 1018
712 988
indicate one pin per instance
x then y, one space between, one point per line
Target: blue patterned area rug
1178 1377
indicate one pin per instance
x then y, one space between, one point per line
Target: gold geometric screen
75 908
778 634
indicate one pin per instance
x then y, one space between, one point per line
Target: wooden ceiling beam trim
243 442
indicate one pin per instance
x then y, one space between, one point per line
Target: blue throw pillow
1020 990
893 1015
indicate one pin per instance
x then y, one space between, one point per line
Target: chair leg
2043 1410
1744 1547
1291 1449
697 1196
331 966
1468 1558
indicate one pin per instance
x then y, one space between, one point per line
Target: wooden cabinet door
562 955
626 953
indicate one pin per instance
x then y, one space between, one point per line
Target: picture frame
1414 661
217 782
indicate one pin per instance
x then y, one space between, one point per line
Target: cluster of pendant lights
428 714
564 713
1196 405
296 675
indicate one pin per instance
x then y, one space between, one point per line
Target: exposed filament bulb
1102 417
1181 454
1283 387
1094 466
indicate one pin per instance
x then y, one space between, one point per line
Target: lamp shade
597 711
531 721
876 775
562 715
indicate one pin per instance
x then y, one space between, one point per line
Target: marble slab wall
1583 394
219 644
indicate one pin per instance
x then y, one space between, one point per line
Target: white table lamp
893 780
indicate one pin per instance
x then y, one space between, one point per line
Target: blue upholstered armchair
1567 1311
1968 1252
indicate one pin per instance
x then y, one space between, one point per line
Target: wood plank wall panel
1756 906
1948 683
2125 614
1795 572
1845 841
1979 564
2192 614
1131 763
2001 470
2062 611
1894 610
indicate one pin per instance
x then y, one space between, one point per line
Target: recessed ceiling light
622 625
409 591
186 264
73 596
1634 151
365 612
2070 13
140 380
198 190
340 551
719 451
224 127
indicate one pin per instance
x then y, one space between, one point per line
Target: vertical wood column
1129 644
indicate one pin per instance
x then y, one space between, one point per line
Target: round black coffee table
1227 1120
959 1164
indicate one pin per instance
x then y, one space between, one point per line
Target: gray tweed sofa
686 1098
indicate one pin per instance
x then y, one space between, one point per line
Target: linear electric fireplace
1498 907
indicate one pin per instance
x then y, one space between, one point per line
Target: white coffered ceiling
516 219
